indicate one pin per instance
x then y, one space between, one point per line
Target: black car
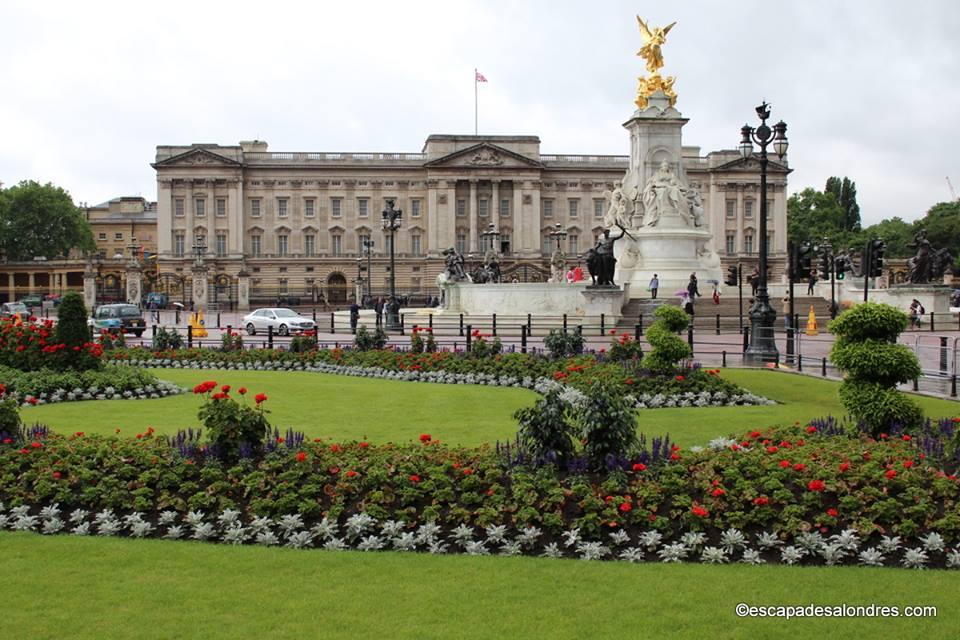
128 315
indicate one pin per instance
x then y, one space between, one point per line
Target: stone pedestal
536 298
243 291
200 287
606 300
134 286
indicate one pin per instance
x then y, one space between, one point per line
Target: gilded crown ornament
653 38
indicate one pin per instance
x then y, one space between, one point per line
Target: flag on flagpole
480 76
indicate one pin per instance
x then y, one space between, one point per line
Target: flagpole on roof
474 101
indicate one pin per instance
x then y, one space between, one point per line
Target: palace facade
301 224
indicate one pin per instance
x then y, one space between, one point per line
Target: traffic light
824 267
733 276
802 261
840 264
877 249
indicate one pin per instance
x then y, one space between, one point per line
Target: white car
283 321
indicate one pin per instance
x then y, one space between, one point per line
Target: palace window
118 235
309 207
415 205
769 208
483 207
363 207
221 247
748 243
200 207
748 209
178 244
504 207
598 207
336 207
103 236
255 246
178 207
283 241
573 207
415 244
461 207
310 245
731 244
282 207
221 207
547 207
731 209
573 242
461 243
362 240
336 244
255 207
284 285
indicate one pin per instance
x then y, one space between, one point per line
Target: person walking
692 289
378 309
754 279
786 312
811 283
653 286
354 316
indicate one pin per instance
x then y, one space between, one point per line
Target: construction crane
953 194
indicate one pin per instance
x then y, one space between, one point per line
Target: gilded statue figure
652 39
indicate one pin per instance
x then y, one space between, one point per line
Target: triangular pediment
485 155
195 157
752 165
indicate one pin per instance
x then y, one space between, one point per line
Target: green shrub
9 414
608 425
167 339
230 424
564 344
667 348
481 347
546 431
624 348
873 364
73 332
366 341
233 341
303 343
48 381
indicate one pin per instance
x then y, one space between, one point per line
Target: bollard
401 324
529 323
270 337
932 323
430 321
943 355
690 334
953 386
799 363
637 331
603 324
176 320
723 360
461 324
469 336
154 331
218 319
718 324
494 324
523 338
564 323
189 336
916 384
823 367
746 339
333 326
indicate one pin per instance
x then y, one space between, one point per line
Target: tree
845 192
41 220
897 233
942 224
813 215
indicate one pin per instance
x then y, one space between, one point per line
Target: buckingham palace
308 224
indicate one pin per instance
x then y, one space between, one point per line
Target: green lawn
346 408
69 587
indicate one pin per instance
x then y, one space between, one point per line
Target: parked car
14 309
32 300
118 317
284 321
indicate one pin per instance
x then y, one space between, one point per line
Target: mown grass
69 587
346 408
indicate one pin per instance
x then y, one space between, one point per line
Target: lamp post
558 234
368 251
490 237
763 346
391 222
829 260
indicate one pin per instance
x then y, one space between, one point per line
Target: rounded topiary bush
74 332
666 348
873 364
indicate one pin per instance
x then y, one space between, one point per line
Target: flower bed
45 386
801 494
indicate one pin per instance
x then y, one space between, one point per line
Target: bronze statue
607 261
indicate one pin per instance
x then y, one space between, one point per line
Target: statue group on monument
927 265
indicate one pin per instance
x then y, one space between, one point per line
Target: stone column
243 291
448 237
31 282
495 206
474 221
89 288
200 282
134 285
534 222
164 217
235 213
516 240
433 221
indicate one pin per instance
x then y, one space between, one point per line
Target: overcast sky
869 89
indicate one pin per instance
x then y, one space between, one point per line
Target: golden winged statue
650 51
652 39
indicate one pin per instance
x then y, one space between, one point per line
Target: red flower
260 398
883 436
639 467
468 471
755 434
225 388
242 391
674 456
36 445
415 478
301 456
351 473
24 451
811 429
8 441
761 501
816 485
335 448
364 445
425 437
890 474
334 470
626 507
680 378
699 511
784 463
57 475
907 464
799 466
629 381
280 440
139 436
718 492
833 513
772 449
906 437
117 431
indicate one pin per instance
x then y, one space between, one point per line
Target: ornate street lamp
763 346
490 238
558 234
391 222
368 251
